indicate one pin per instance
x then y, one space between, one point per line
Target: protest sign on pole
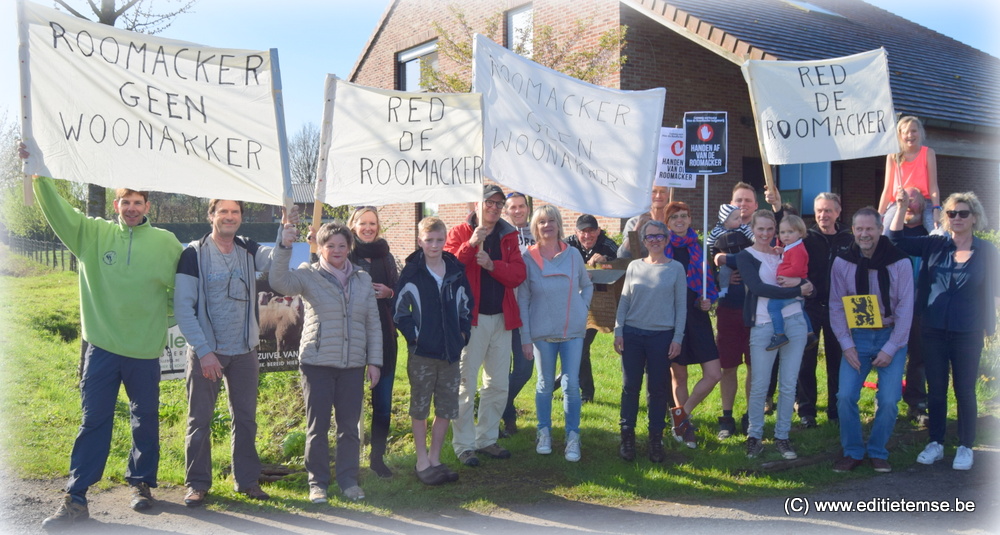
121 109
706 149
576 145
670 161
389 147
825 110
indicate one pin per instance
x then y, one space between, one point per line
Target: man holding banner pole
488 247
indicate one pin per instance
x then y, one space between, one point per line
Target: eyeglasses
494 204
961 214
655 237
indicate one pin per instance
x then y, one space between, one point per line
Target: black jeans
959 351
645 352
586 371
915 391
807 392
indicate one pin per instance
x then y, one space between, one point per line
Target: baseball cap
490 190
586 221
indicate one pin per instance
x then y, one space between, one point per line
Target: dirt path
25 503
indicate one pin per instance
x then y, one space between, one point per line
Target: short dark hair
868 210
121 193
336 227
214 203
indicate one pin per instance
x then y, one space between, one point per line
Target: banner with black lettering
116 108
383 147
576 145
826 110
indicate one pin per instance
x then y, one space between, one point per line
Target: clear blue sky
316 37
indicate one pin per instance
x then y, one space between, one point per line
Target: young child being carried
794 264
727 237
433 312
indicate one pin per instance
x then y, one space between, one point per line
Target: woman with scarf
371 253
958 293
699 341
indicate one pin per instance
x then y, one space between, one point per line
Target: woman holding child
758 266
554 300
341 344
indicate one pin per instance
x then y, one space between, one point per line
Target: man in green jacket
127 270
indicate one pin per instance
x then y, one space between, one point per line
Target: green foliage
294 445
565 52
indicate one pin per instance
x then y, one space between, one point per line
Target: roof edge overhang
366 50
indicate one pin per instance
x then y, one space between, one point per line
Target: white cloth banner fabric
384 147
116 108
670 162
576 145
826 110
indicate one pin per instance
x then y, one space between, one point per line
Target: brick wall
696 79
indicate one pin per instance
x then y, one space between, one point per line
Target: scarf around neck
378 252
885 255
694 271
339 274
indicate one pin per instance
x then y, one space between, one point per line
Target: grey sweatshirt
654 298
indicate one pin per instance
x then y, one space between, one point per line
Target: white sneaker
932 453
573 447
543 442
963 459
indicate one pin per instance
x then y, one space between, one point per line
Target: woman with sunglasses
699 346
957 297
370 252
649 329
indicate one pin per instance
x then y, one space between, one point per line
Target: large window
519 30
409 63
807 179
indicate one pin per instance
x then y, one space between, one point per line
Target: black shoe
431 476
450 475
509 428
656 453
69 512
727 427
626 450
377 464
807 422
745 424
142 497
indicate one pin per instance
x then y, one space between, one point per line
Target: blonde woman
915 165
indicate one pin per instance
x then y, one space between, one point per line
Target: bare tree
137 16
303 154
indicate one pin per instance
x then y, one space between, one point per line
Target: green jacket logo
110 257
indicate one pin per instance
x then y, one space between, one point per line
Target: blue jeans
568 353
762 361
645 351
961 352
774 307
520 372
869 342
103 374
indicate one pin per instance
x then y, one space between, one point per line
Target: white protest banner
573 144
670 167
383 147
122 109
819 111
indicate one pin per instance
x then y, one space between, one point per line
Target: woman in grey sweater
554 300
649 329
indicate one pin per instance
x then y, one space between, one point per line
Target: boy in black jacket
434 314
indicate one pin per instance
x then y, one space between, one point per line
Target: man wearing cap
596 248
492 257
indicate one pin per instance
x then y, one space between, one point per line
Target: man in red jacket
493 265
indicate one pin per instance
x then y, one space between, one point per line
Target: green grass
40 354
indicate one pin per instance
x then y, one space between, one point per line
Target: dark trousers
915 391
807 393
520 373
341 391
586 371
959 351
382 394
103 374
646 351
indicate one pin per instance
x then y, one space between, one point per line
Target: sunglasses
655 237
961 214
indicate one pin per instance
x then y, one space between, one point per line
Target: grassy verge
39 356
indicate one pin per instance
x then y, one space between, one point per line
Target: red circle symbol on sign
705 132
677 147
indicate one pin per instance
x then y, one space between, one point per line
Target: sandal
195 497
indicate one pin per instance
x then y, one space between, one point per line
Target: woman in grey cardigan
554 300
341 338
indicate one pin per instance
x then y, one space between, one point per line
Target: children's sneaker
573 447
777 340
754 447
69 511
932 453
785 448
963 459
543 442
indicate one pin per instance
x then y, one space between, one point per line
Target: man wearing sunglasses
214 302
488 247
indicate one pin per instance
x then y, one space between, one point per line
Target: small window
519 30
410 62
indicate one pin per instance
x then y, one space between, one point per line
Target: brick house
694 48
